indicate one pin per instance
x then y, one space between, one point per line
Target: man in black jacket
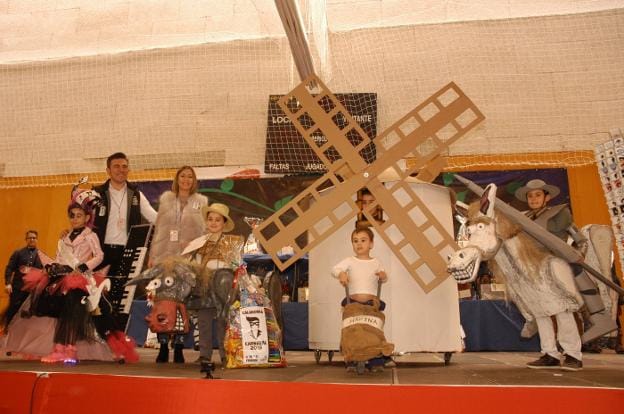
123 206
19 263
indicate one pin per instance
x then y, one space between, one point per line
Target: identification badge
121 224
173 235
102 212
196 205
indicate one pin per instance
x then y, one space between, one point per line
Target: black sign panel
287 152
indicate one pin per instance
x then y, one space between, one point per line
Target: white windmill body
415 321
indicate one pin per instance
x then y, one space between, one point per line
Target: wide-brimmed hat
221 209
537 184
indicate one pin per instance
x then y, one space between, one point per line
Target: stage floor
472 368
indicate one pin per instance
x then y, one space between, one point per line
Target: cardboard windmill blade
417 239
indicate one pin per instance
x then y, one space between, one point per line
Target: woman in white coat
179 221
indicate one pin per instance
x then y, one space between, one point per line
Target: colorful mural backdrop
259 197
508 182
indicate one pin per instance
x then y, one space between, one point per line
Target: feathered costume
58 315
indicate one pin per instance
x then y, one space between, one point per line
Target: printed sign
254 335
373 321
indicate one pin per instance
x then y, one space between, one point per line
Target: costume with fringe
214 256
170 284
55 313
66 298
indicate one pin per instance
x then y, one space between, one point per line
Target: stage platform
473 382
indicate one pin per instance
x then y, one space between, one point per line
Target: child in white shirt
361 273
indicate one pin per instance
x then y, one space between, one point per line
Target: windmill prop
411 230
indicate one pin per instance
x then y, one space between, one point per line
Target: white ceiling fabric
33 30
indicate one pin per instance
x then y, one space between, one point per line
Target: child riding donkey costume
541 284
594 241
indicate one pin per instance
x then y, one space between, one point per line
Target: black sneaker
571 364
545 362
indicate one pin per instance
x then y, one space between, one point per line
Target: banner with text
287 152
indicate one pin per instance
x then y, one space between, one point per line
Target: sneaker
71 355
571 364
377 368
592 347
57 355
545 362
389 362
528 330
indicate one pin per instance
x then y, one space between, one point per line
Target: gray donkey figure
539 283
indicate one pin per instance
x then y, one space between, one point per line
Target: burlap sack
362 333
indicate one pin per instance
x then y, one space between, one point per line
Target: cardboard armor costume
210 256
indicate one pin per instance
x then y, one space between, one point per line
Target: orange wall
37 208
586 195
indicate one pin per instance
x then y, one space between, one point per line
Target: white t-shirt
362 277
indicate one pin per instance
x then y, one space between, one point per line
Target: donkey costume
540 284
